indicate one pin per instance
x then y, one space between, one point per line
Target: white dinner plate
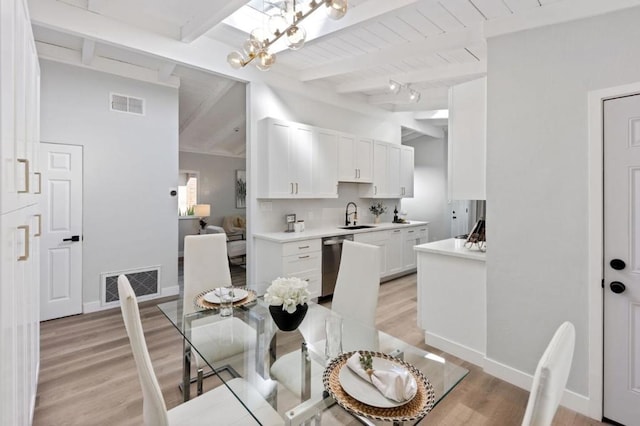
365 391
212 296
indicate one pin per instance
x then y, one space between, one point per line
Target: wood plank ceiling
427 44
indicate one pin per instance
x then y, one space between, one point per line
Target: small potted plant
377 209
287 299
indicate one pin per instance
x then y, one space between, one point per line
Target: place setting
219 296
378 386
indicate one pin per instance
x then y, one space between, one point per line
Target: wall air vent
128 104
144 281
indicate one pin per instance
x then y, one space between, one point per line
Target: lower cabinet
302 259
412 237
19 314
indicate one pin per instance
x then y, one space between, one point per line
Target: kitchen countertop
329 231
448 248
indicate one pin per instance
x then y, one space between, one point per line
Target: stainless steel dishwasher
331 254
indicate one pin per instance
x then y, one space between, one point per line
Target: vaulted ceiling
426 44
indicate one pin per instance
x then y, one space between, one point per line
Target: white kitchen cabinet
355 159
297 161
394 252
380 184
19 108
302 259
467 140
406 171
19 215
325 163
393 189
412 237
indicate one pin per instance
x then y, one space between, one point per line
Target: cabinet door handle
303 257
296 187
356 173
292 187
423 229
303 247
411 232
26 243
397 230
375 189
39 191
26 175
39 216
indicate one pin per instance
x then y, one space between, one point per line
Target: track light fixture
286 23
396 88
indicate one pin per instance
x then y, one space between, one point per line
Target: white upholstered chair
219 403
355 298
217 339
550 377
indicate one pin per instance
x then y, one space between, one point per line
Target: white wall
216 186
430 202
130 162
537 162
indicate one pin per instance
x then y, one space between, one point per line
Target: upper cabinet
392 172
355 159
467 140
297 161
406 171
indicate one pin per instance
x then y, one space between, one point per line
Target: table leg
305 361
186 370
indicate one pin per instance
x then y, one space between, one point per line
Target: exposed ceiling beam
431 115
430 45
405 119
73 57
425 75
204 20
412 136
166 70
206 105
88 51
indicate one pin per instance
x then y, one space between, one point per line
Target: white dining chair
219 403
355 298
217 339
550 378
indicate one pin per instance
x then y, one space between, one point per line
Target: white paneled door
622 260
61 250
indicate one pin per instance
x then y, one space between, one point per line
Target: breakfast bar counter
452 298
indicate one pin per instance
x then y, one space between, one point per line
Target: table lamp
202 211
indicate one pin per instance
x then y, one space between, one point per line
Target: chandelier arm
267 43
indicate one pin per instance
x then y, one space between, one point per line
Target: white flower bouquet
288 292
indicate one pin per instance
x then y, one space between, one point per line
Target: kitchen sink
357 227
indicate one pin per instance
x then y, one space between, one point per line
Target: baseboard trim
570 399
95 306
461 351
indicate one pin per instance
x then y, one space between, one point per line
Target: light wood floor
88 377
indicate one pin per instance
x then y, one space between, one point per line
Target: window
187 192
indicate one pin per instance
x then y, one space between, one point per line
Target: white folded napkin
222 291
398 384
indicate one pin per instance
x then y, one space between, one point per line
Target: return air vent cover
128 104
144 281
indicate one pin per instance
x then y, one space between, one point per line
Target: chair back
154 410
551 377
356 292
206 266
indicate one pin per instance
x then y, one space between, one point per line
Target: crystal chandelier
286 23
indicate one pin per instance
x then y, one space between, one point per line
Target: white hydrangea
288 292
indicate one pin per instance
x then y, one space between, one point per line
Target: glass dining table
287 368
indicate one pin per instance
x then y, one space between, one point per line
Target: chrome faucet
347 222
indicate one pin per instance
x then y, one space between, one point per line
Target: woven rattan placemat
415 409
203 304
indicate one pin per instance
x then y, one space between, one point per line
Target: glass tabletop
286 368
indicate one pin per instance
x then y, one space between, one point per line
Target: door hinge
602 283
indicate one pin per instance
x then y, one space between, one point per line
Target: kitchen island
452 298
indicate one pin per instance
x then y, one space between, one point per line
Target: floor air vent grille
144 283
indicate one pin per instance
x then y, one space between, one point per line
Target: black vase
286 321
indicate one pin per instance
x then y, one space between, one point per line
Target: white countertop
448 248
284 237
